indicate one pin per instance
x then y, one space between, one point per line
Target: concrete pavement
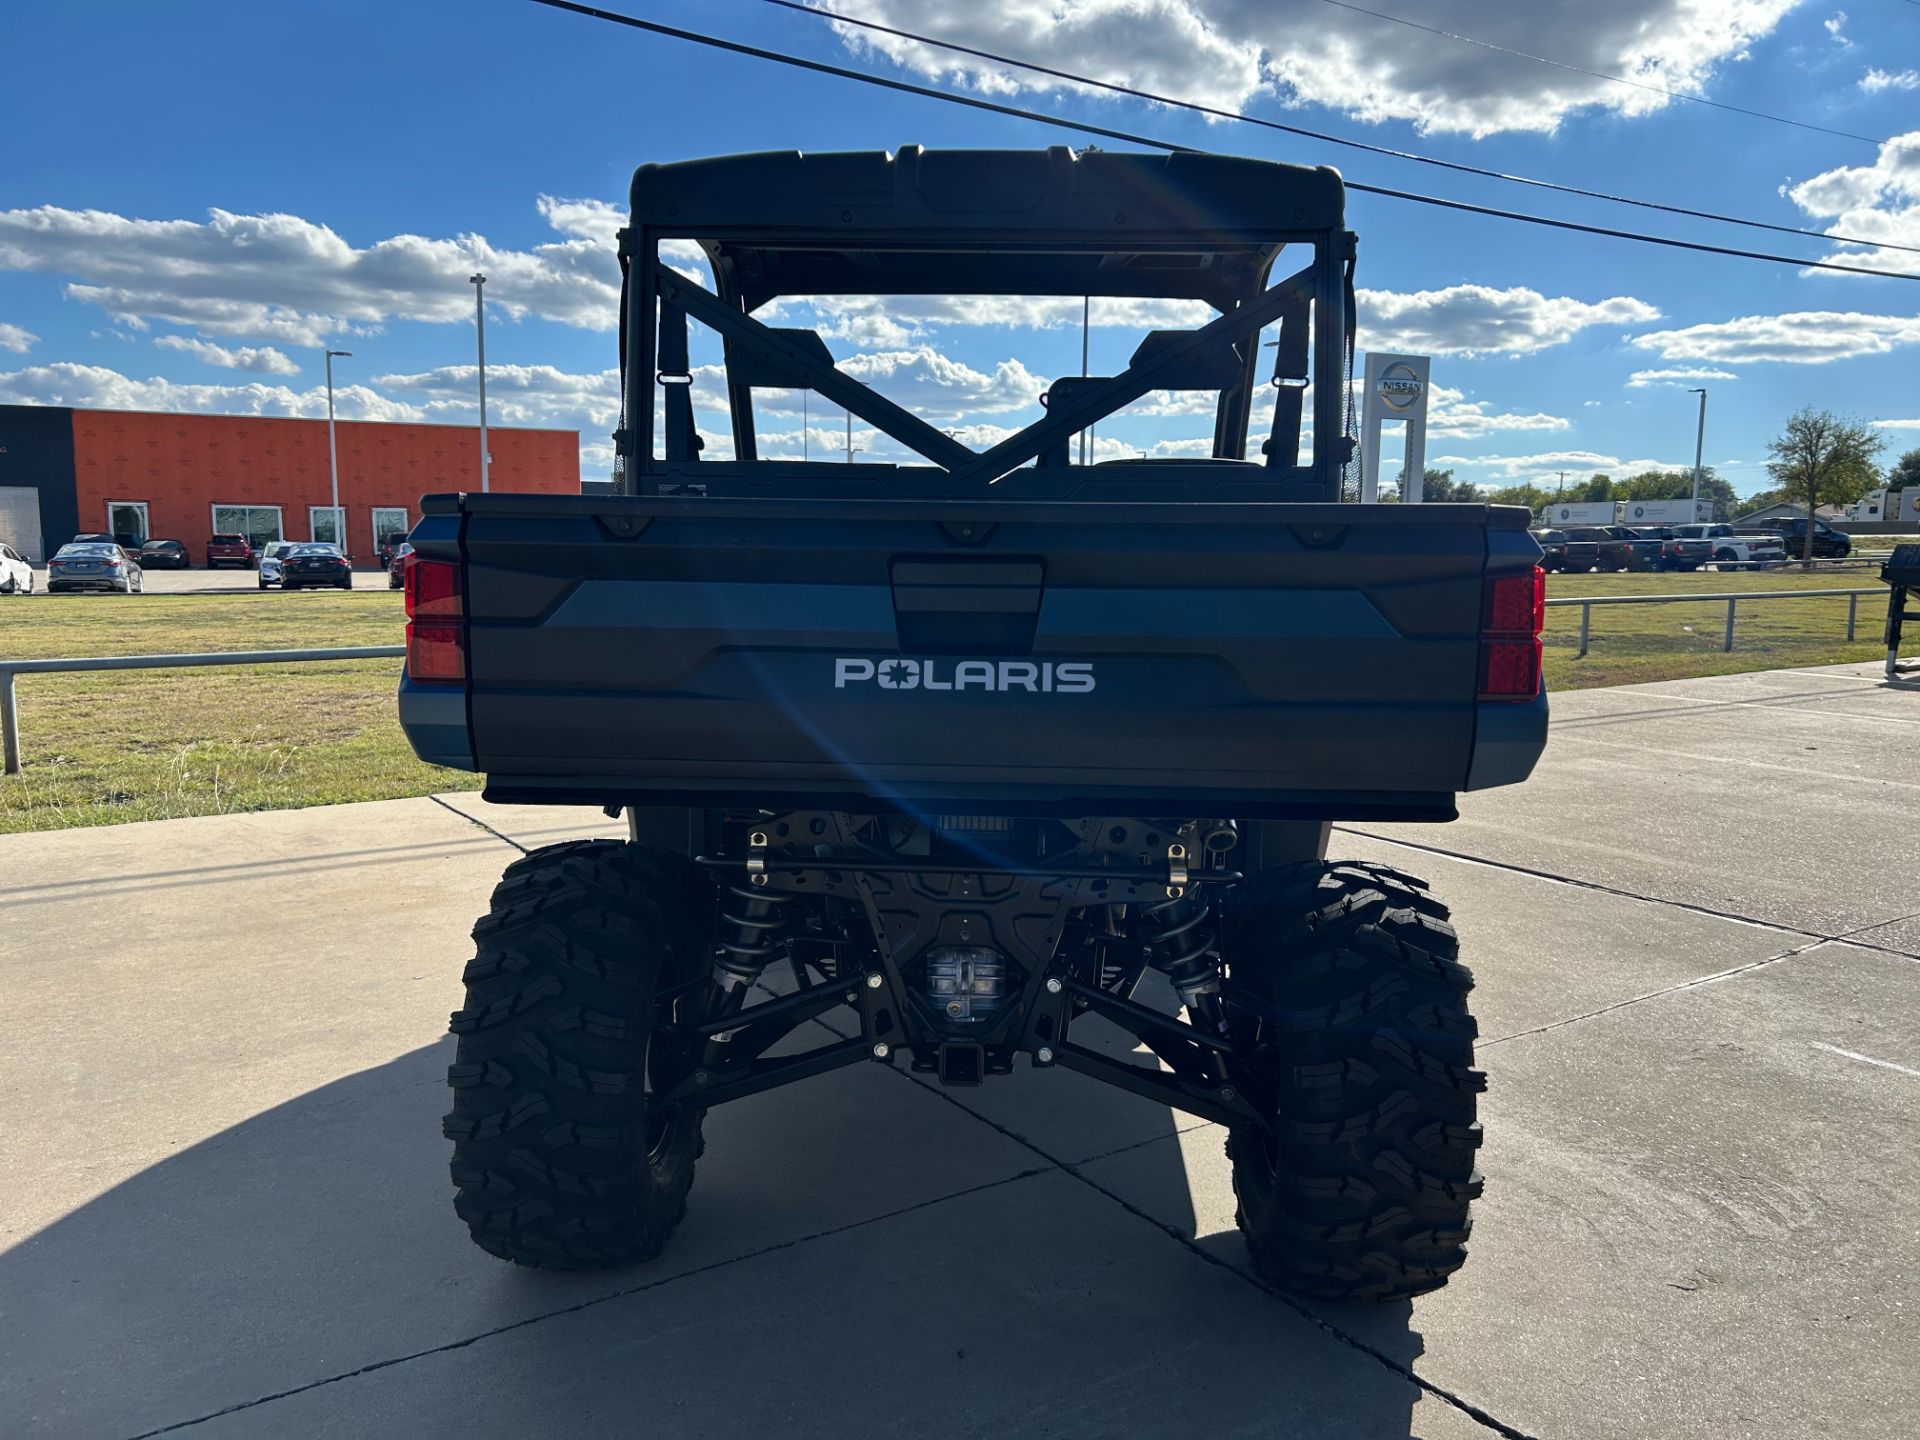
224 1206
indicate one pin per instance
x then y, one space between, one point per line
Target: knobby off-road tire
560 1157
1364 1189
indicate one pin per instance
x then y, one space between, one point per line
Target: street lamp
479 283
333 454
1699 447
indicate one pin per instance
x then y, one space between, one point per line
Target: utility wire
973 102
1620 79
1372 149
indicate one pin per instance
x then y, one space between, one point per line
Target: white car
270 559
1732 550
16 576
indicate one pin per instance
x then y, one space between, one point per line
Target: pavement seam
1730 916
1693 984
590 1303
1405 1372
474 820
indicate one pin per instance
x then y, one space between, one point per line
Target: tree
1525 493
1905 471
1678 485
1823 457
1592 490
1436 486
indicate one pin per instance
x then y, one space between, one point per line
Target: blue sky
195 199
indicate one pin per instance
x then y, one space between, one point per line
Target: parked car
227 548
1677 551
1562 552
96 565
1828 543
1643 551
1728 549
271 559
397 565
390 545
1609 551
316 564
16 575
93 537
165 555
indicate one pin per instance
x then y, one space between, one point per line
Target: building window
259 523
326 525
389 522
127 522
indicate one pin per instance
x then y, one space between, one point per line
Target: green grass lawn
148 745
1635 643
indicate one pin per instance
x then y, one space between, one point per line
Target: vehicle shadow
860 1256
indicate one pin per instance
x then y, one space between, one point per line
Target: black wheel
1364 1187
560 1156
263 584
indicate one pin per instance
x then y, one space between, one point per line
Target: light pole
1699 448
333 455
479 283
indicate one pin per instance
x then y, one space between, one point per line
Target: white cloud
15 338
1451 416
1877 203
282 278
911 315
260 359
1684 375
97 387
540 395
1898 424
1517 467
1229 52
935 386
1477 319
1876 80
1808 337
1836 26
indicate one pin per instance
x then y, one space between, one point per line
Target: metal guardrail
1732 599
10 712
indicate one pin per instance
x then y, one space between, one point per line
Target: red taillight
436 621
1512 615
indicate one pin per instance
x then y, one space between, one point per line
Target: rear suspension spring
750 935
1186 948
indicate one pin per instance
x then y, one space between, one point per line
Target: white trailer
1586 512
1663 512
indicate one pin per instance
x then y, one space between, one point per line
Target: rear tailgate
1272 659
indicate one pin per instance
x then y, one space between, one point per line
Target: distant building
184 477
1788 511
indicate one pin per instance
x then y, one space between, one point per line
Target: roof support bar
1097 401
810 372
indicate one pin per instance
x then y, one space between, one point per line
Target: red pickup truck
230 549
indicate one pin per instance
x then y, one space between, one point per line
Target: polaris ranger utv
962 748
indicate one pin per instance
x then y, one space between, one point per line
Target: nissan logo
1399 386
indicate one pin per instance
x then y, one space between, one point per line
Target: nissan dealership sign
1395 389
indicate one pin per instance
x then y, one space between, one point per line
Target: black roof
1042 222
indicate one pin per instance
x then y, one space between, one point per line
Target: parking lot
1697 936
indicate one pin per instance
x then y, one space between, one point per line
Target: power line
1083 127
1372 149
1619 79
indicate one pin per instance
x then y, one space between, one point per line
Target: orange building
183 477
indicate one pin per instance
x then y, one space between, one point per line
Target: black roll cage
1091 225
